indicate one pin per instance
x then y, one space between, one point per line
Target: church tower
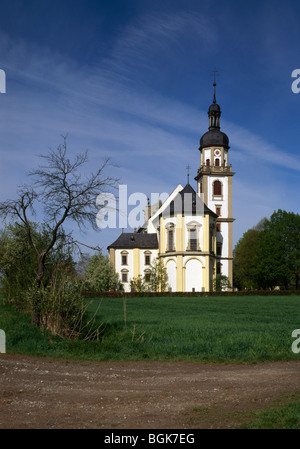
214 184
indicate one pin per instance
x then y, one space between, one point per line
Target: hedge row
90 294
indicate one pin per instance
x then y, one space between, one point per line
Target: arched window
217 162
207 162
124 258
147 257
217 188
170 237
193 240
193 230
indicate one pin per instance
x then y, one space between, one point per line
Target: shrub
60 306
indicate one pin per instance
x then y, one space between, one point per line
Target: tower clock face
217 152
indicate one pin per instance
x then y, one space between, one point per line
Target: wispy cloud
159 36
110 110
256 147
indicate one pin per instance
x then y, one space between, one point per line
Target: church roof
195 206
135 240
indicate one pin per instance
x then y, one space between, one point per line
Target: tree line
268 255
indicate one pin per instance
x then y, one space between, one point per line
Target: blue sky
132 80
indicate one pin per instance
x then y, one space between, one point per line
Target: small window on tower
207 162
217 188
217 162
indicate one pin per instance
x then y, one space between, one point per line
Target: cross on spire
188 173
215 74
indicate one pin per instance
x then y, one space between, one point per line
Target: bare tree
66 195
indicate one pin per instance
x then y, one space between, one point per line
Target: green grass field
216 329
220 329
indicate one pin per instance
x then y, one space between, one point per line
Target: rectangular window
193 240
124 260
170 240
147 277
124 277
147 260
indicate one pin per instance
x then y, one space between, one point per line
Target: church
191 231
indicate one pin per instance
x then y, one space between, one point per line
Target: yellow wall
206 233
136 262
179 233
179 277
111 255
206 274
162 236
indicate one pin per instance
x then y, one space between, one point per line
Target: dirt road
52 393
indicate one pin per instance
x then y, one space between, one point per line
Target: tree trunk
40 270
36 316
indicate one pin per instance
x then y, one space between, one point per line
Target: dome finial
215 72
214 100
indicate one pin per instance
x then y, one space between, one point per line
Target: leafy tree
100 274
279 252
18 261
138 284
269 254
221 283
246 259
158 281
82 264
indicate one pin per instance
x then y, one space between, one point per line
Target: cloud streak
112 110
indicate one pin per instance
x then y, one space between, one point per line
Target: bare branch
66 194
